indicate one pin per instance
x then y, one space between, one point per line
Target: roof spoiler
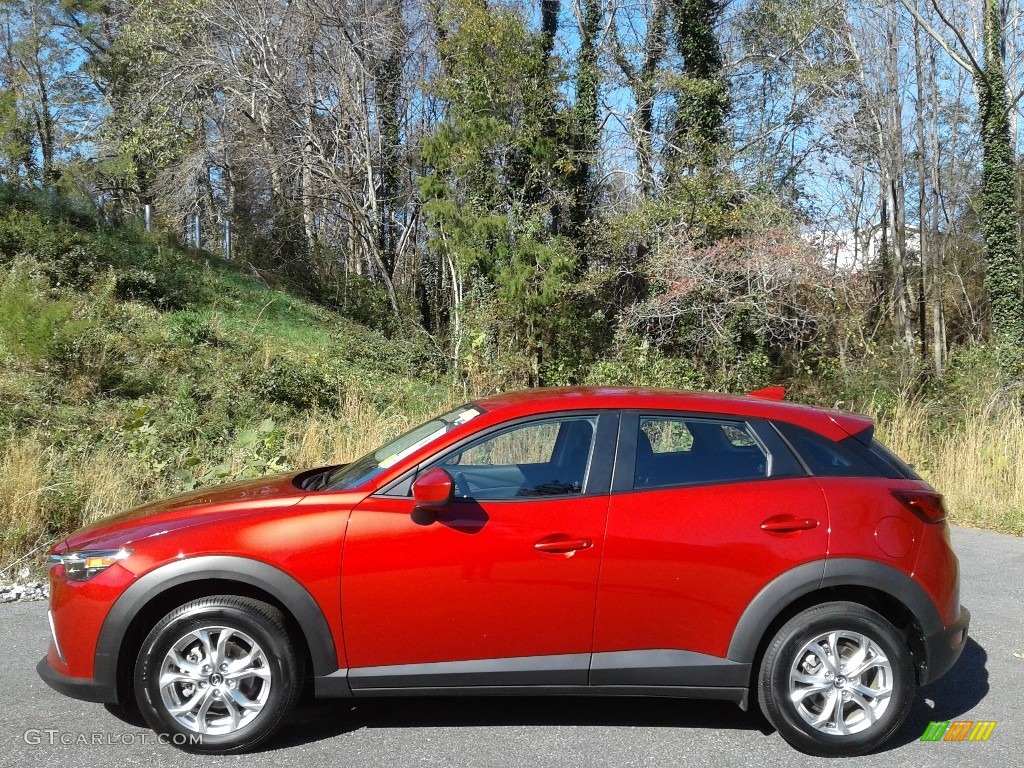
769 393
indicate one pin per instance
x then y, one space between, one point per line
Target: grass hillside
131 369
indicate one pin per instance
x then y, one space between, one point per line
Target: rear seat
655 470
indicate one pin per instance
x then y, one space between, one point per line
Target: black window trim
887 460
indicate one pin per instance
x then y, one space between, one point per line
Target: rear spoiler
769 393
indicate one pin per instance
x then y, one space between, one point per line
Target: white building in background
851 251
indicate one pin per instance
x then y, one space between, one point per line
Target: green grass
132 369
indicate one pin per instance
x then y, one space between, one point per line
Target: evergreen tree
494 184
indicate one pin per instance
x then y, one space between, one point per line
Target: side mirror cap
433 489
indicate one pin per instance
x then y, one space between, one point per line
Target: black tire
798 661
231 669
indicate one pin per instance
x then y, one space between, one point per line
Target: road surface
38 727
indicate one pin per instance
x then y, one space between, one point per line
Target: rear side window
682 451
826 458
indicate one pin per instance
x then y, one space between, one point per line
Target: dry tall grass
105 483
44 495
23 485
357 428
978 463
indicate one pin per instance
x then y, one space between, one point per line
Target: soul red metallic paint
695 558
262 520
667 568
472 586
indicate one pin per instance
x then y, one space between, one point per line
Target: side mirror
433 490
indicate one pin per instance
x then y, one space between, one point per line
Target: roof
833 424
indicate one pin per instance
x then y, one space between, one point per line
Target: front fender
253 573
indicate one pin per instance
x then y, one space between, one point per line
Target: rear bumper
85 689
945 647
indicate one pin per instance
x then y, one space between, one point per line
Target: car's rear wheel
218 674
837 679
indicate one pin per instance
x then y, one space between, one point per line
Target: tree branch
970 64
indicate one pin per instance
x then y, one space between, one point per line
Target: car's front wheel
218 674
837 679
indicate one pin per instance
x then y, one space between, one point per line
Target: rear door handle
788 524
562 544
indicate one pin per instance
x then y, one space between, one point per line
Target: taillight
927 505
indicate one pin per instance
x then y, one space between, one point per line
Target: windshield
372 464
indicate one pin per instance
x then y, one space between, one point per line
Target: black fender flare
275 582
781 592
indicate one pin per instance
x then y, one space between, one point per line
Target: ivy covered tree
1000 216
584 119
999 209
701 93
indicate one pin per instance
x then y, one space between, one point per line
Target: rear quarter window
825 458
889 460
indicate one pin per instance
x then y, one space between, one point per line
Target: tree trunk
902 321
924 244
937 243
308 199
44 124
643 84
585 133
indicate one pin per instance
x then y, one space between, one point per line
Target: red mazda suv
564 541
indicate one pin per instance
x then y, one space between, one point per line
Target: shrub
299 385
73 252
33 325
191 328
636 363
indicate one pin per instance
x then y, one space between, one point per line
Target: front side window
543 458
683 451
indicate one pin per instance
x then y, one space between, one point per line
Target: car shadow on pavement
323 719
959 691
127 714
948 698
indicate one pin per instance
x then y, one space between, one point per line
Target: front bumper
85 689
945 647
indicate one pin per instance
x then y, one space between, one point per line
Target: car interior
717 452
480 473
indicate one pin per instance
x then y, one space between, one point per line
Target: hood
227 500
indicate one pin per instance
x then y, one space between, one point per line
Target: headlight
82 566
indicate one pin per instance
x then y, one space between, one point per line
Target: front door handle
788 524
562 544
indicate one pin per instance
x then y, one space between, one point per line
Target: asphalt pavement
38 727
